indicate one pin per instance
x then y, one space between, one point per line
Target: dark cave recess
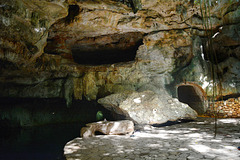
107 49
28 112
188 94
73 11
104 55
100 50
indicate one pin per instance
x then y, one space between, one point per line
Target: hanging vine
205 7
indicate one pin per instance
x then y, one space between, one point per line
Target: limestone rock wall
38 39
24 28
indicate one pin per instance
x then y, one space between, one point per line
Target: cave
104 55
62 62
73 11
193 96
108 49
32 112
98 50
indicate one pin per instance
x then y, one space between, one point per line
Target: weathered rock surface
24 28
108 128
159 24
40 42
147 107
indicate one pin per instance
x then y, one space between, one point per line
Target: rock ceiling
90 49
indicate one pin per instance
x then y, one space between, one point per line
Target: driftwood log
108 128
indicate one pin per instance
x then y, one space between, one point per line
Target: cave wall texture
89 49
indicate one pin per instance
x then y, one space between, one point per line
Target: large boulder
147 107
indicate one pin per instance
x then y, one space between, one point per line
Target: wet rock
147 107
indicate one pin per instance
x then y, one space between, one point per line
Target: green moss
99 116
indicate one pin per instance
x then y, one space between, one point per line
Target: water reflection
36 143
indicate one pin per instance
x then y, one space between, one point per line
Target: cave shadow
170 123
187 141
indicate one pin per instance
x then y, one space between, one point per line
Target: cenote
150 62
42 142
31 129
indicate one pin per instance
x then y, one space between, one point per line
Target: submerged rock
147 107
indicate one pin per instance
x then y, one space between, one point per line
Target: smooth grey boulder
147 107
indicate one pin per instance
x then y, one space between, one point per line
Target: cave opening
193 96
30 112
73 11
107 49
104 55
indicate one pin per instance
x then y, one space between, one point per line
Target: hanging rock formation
45 47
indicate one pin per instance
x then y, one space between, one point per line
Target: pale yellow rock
90 88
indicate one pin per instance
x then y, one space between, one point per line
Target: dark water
36 143
25 133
